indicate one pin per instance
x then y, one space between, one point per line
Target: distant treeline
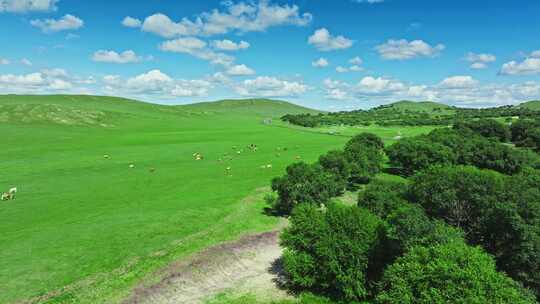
462 225
391 116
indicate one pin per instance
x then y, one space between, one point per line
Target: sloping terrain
99 208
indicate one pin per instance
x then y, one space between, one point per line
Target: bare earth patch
248 265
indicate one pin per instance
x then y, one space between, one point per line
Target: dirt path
248 265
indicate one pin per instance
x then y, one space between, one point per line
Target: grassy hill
418 106
260 107
531 105
85 228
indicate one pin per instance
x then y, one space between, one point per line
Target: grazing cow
106 156
6 196
152 170
132 166
268 166
13 190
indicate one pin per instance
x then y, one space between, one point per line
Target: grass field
85 229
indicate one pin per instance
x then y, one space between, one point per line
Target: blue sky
329 54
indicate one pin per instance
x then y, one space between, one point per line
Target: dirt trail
248 265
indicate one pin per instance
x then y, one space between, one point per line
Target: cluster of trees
390 116
462 145
462 227
526 133
360 160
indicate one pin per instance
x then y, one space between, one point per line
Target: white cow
6 196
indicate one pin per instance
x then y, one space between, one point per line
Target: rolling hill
85 228
261 107
531 105
417 107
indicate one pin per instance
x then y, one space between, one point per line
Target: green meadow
85 228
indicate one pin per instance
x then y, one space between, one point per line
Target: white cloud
459 82
356 61
356 68
46 81
228 45
372 85
23 6
240 70
26 62
369 1
341 69
320 63
480 61
240 17
265 86
404 50
131 22
156 83
128 56
529 66
324 41
197 48
4 61
66 23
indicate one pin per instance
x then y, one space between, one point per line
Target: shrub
329 251
305 183
450 273
383 197
489 128
415 154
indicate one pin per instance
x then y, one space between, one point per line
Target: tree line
461 226
390 116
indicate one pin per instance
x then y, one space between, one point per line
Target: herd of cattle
10 194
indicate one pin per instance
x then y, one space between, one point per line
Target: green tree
416 154
305 183
329 251
449 273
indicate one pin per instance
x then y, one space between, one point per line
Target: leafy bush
489 128
383 197
416 154
329 251
305 183
450 273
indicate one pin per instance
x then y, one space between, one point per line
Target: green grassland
421 107
85 228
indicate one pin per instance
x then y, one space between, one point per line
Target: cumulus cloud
320 63
24 6
459 82
480 61
324 41
197 48
131 22
369 1
128 56
45 81
341 69
529 66
240 70
66 23
404 50
356 61
4 61
265 86
238 17
228 45
26 62
156 83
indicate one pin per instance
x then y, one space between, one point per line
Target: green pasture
85 228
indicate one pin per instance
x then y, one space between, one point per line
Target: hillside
531 105
86 225
417 107
260 107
